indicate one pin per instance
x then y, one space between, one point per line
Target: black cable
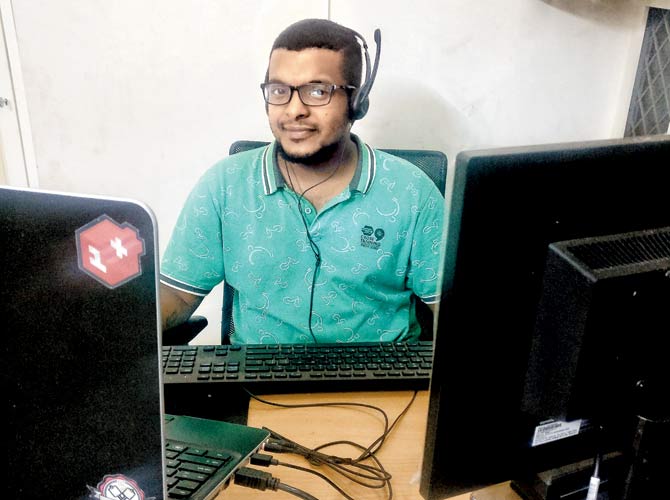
377 442
296 492
371 450
261 480
255 479
317 264
318 405
346 467
265 460
353 469
315 248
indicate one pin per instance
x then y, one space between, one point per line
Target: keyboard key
189 467
188 485
196 451
220 455
193 476
210 462
198 468
179 493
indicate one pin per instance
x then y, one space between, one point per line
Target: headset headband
360 101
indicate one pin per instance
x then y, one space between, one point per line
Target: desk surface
401 455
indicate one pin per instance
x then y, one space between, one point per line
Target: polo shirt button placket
309 214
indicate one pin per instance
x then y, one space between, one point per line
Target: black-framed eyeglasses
311 94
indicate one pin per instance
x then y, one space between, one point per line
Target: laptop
81 364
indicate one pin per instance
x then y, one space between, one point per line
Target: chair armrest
425 318
185 332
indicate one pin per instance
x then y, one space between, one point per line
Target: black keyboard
188 468
282 368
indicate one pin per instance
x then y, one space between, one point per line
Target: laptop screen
79 313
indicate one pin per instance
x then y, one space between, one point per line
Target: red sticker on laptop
110 252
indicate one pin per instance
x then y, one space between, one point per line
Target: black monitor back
507 206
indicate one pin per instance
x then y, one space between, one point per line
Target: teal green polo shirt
379 242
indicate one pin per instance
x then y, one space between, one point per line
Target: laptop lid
78 305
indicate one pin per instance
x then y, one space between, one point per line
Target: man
323 238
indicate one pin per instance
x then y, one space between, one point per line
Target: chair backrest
432 162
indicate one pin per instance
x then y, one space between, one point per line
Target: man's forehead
307 63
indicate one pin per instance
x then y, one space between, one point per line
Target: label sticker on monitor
109 252
555 430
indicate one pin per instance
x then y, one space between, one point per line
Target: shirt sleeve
193 258
423 277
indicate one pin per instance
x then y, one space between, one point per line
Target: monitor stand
646 476
639 475
570 482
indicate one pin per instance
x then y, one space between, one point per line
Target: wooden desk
401 455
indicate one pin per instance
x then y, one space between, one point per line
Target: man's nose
295 107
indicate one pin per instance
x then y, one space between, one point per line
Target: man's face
307 132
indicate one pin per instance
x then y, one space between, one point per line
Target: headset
359 98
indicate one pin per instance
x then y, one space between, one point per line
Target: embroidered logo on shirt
371 237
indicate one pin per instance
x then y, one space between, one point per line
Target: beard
323 155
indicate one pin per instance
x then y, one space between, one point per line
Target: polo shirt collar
361 181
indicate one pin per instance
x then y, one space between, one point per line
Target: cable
315 248
370 476
296 492
318 405
255 479
594 482
260 480
359 473
265 460
371 450
376 444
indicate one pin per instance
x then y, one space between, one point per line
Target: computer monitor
528 383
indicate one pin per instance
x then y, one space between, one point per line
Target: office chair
433 163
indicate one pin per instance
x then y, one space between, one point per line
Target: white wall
492 73
3 180
137 98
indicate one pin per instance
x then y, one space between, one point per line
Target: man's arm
176 306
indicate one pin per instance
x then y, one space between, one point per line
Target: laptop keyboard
280 368
187 468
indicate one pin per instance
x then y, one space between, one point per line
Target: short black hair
325 34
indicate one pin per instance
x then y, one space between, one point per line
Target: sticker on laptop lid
110 252
554 430
117 487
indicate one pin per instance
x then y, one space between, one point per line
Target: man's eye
318 92
278 90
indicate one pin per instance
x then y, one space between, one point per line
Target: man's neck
319 183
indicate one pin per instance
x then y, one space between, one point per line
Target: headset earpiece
361 109
360 102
